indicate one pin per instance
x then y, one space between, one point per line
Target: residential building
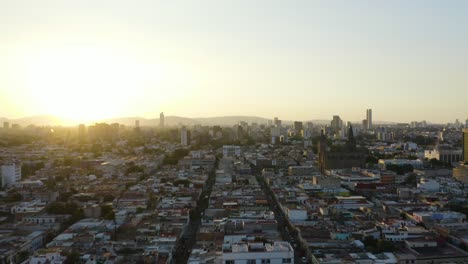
10 173
236 251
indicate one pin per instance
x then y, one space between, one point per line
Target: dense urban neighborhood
263 193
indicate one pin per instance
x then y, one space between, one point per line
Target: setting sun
83 85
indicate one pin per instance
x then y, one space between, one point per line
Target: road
287 230
183 247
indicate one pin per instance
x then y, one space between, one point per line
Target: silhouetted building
465 144
298 127
103 131
81 132
346 156
369 119
336 123
277 122
184 137
161 119
6 125
461 172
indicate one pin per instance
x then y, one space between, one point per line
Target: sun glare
87 85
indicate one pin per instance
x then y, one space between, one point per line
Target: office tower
81 132
161 119
137 123
465 144
369 118
364 124
184 136
277 122
466 123
310 126
298 126
6 125
336 123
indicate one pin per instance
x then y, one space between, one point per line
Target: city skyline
310 59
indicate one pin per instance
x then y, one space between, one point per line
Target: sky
298 60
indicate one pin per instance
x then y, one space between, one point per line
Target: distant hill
47 120
39 120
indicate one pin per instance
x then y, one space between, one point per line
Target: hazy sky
82 59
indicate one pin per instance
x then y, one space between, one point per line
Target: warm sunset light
233 131
84 85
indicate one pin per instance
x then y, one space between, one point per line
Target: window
266 261
287 260
251 261
229 262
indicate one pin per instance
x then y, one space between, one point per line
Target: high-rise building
161 119
184 136
298 127
6 125
465 144
137 123
461 172
277 122
369 118
81 132
336 123
10 173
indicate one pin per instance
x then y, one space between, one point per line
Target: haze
299 60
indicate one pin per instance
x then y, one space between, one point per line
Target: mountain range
47 120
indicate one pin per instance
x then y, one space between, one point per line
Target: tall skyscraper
277 122
137 123
81 132
161 119
184 136
336 123
6 125
369 118
298 126
465 144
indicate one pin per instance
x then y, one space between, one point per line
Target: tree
411 180
108 198
174 157
22 256
107 212
403 215
72 257
400 169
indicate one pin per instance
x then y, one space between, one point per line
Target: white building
10 173
352 202
428 185
297 214
444 155
52 256
439 217
240 250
